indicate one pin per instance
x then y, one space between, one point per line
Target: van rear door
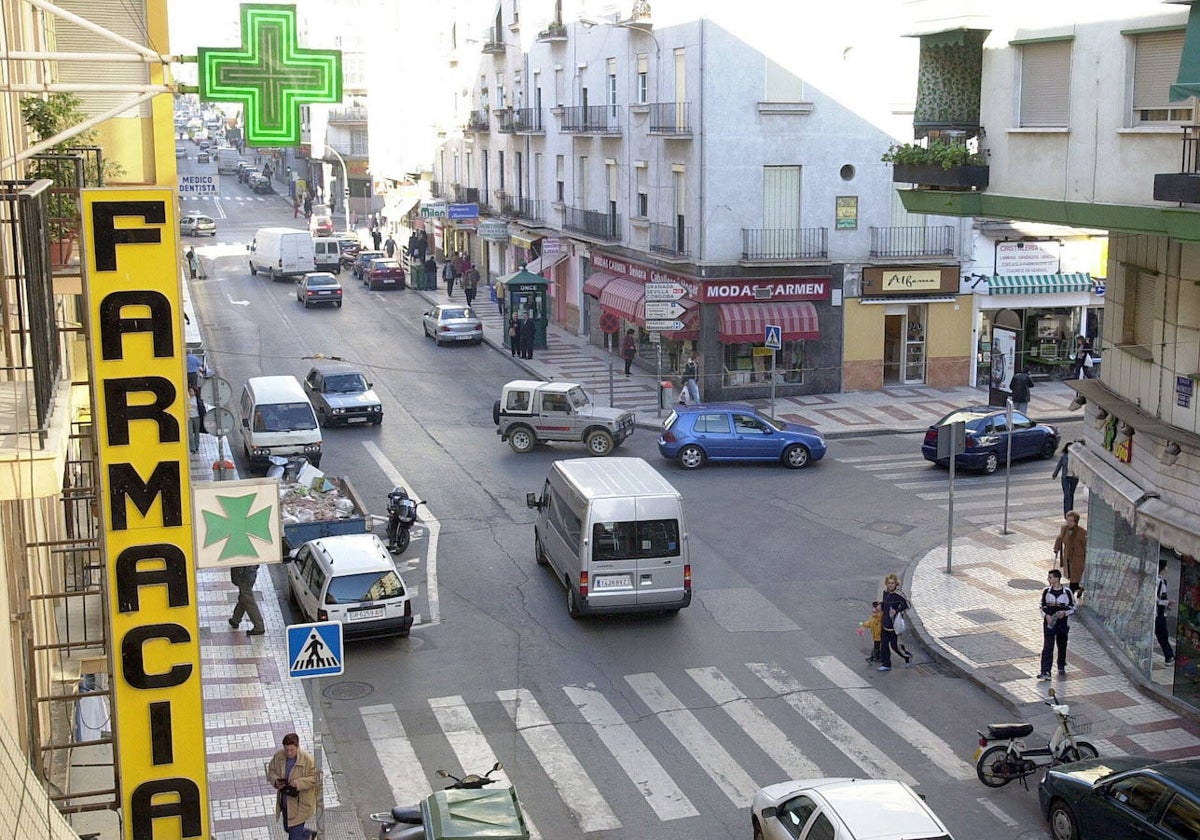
613 567
659 577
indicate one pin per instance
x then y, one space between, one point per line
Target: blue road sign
774 337
315 650
463 211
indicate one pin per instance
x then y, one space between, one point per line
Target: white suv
843 809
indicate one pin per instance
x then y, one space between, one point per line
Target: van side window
517 401
564 520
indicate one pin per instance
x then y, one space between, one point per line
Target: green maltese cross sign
270 75
237 522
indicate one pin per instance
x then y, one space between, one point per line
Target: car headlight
376 408
339 411
312 447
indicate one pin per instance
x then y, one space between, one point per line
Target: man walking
193 262
470 284
1160 615
293 774
1069 482
243 578
1057 605
1019 386
691 372
389 246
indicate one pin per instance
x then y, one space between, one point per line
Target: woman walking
894 606
628 350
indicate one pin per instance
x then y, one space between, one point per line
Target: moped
998 764
462 810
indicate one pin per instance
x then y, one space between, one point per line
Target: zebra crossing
1030 486
579 734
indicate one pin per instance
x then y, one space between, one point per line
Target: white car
196 224
449 322
843 809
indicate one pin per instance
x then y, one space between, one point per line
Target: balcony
912 241
784 244
467 195
605 227
531 210
590 119
555 33
670 119
493 41
1182 187
528 121
477 121
347 115
671 240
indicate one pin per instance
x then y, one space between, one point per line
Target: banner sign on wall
1028 257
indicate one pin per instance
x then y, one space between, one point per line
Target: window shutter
1045 84
1155 64
125 19
1145 309
781 197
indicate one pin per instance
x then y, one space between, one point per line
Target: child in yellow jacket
875 625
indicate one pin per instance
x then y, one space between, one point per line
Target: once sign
139 391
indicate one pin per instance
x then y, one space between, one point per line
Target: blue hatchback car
988 436
695 434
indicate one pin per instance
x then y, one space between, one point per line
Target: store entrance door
893 349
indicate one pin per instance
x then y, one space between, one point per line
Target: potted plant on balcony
938 165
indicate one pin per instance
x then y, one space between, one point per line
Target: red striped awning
596 282
624 297
747 322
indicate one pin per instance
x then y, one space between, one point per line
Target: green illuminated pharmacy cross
270 75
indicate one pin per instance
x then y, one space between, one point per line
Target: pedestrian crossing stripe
315 650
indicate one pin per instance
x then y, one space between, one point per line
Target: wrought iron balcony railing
590 119
528 121
912 241
785 243
673 240
531 209
670 119
477 121
604 226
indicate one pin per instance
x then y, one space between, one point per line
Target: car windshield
457 312
369 586
579 398
345 383
284 417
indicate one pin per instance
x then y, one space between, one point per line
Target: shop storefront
909 327
553 264
724 321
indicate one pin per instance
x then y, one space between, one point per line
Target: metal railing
531 209
912 241
493 41
593 223
478 120
528 121
1189 163
590 119
785 243
341 115
670 118
674 240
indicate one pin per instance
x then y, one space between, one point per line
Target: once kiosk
526 292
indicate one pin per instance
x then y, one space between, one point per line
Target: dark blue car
695 434
987 436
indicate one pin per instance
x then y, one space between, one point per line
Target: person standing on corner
193 262
293 773
1020 385
528 332
514 335
691 373
1069 482
1160 615
429 279
628 349
894 605
243 578
1057 605
1070 550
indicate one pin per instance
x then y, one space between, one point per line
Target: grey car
449 322
341 394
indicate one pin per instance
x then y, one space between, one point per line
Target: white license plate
366 615
613 582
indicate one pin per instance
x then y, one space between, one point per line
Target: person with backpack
1057 606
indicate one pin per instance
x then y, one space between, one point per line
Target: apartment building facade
736 155
1088 112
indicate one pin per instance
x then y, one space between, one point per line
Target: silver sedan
452 322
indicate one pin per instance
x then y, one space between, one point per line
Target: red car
384 274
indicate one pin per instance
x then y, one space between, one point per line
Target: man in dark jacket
527 331
243 578
429 281
1020 385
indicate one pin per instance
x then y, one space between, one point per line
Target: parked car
341 394
202 156
195 224
320 223
987 436
843 809
1125 796
530 412
365 255
384 273
180 153
452 322
349 246
319 287
350 578
260 183
696 434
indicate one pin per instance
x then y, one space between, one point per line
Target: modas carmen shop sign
139 393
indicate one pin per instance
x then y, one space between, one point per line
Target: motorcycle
462 810
998 764
402 513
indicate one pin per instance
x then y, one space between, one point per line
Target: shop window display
744 366
1186 631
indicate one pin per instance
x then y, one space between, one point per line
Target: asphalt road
609 727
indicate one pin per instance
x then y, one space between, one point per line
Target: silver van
614 534
278 419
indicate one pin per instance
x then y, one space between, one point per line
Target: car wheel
521 439
758 835
692 457
599 443
1082 751
496 413
1049 446
795 457
991 463
988 766
339 304
572 602
305 304
1063 825
403 538
539 553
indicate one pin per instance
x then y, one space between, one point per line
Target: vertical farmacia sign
139 391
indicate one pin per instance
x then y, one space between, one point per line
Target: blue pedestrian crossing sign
315 650
774 337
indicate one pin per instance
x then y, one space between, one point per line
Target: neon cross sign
270 75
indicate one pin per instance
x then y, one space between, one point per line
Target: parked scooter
402 513
999 764
493 814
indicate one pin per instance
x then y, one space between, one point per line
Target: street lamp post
345 185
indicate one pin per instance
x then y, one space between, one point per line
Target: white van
613 532
281 252
327 254
278 419
227 160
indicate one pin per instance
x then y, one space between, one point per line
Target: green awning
1039 284
1187 83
